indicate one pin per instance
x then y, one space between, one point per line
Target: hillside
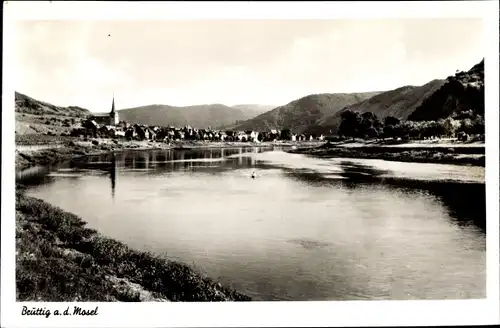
400 103
35 117
299 114
28 105
200 116
461 92
252 110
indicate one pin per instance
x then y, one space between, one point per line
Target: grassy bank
59 259
442 154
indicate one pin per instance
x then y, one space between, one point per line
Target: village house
161 134
230 135
131 133
150 134
119 133
140 133
107 131
241 136
274 135
254 136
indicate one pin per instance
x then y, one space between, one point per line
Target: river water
302 229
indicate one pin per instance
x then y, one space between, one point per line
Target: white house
254 136
119 133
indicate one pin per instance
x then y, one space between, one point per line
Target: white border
371 313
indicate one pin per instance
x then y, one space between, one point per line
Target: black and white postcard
193 164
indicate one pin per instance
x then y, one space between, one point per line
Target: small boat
253 175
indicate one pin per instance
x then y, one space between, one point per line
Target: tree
391 120
351 124
450 126
466 125
478 125
371 132
261 137
389 131
430 129
286 134
366 127
406 129
464 114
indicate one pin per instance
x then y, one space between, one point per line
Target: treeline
369 126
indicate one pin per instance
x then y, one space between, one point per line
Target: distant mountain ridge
200 116
321 113
254 108
315 113
400 103
299 114
27 105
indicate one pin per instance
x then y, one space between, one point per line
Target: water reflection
113 175
302 230
360 172
35 175
466 201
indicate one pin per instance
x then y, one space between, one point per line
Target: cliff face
462 92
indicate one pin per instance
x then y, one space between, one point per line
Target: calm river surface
303 229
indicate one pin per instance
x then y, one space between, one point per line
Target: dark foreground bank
440 155
59 259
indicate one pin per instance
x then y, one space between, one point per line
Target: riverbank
444 152
59 259
31 152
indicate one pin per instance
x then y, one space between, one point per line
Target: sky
270 62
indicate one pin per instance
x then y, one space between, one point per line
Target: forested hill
200 116
399 103
299 114
462 92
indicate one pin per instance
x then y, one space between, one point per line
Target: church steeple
113 115
113 104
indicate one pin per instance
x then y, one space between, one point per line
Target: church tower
113 115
